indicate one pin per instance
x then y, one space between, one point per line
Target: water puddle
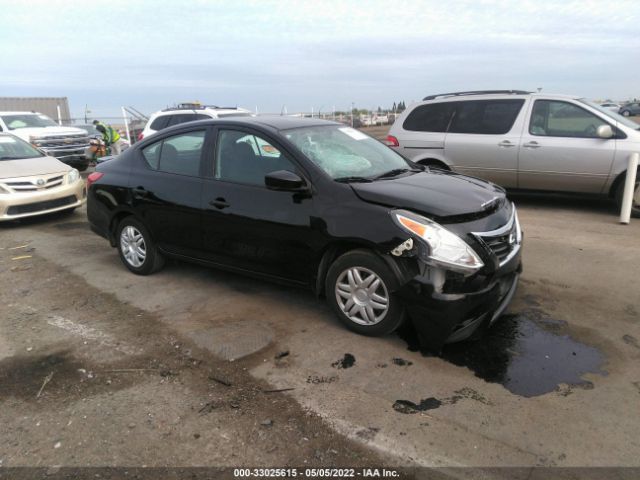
529 354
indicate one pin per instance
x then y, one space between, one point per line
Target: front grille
502 242
32 185
64 146
500 245
41 206
65 141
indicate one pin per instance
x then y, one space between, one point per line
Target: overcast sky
320 54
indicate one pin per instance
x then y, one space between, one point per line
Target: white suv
521 140
188 112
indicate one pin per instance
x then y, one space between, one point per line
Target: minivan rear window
489 117
433 117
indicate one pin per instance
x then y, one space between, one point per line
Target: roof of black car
280 122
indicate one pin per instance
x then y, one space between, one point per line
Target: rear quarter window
160 122
433 117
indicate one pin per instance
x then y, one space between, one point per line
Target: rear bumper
446 318
28 204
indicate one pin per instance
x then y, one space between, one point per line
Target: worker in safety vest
110 136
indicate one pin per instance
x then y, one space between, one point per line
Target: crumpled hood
31 166
433 193
25 133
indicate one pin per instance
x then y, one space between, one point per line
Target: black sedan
316 204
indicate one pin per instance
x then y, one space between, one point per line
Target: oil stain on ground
529 354
345 362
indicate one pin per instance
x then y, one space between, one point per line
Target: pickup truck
68 144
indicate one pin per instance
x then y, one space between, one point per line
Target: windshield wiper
395 172
353 179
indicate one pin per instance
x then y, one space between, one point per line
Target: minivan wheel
635 203
359 288
137 250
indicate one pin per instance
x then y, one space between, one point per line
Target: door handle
219 203
532 145
140 192
506 143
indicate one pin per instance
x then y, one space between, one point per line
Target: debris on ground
406 406
346 362
401 362
221 380
267 423
47 379
278 390
284 353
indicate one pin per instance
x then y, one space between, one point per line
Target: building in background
46 105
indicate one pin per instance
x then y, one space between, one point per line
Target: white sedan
32 183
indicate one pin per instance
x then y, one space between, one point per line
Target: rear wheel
137 249
359 288
635 202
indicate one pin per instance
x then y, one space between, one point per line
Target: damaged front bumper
442 314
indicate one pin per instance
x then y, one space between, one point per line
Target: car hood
436 194
31 166
25 133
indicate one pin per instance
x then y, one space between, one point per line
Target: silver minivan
521 140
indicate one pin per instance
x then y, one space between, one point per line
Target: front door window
552 118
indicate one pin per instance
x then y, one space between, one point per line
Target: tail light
93 177
140 136
392 141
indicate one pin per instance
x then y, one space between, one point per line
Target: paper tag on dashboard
353 133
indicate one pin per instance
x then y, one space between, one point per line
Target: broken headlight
445 247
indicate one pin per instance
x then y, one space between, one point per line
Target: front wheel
359 288
635 202
626 113
137 249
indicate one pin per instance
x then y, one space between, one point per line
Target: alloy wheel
133 246
362 296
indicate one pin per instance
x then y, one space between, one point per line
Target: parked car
630 109
381 119
188 112
316 203
32 183
611 106
521 140
68 144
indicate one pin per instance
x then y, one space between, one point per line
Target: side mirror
283 180
605 132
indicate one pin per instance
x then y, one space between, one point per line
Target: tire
370 268
635 209
143 258
83 167
626 113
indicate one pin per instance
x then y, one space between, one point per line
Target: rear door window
180 154
488 117
433 117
